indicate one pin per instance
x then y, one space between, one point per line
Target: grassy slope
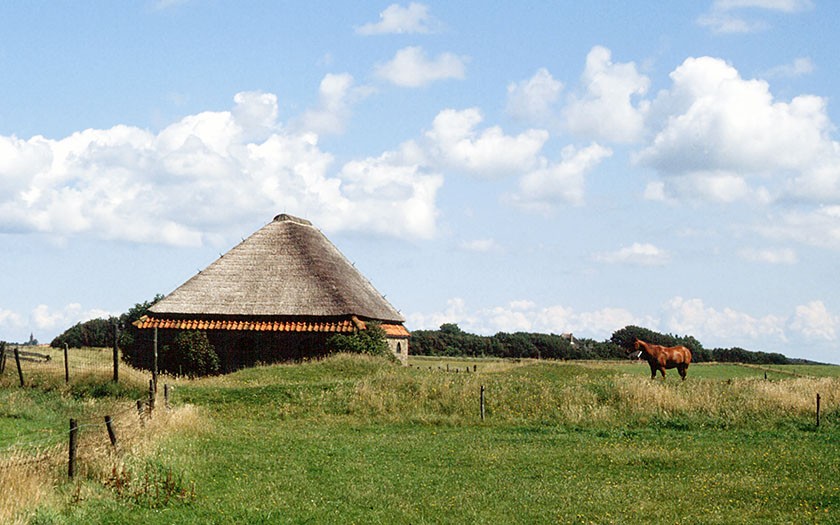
352 440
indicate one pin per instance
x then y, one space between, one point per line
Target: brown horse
661 357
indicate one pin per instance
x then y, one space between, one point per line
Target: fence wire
39 364
49 446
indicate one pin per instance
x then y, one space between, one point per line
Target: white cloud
397 19
717 134
692 316
455 143
481 245
455 312
528 316
799 67
387 195
161 5
725 23
814 321
787 6
208 173
337 94
714 327
411 68
534 99
819 227
596 324
10 321
726 16
769 256
606 111
562 182
44 318
642 254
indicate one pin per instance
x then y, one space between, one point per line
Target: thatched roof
287 268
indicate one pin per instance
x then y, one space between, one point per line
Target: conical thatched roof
287 268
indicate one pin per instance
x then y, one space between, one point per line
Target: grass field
357 440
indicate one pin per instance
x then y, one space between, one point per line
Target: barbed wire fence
33 365
90 445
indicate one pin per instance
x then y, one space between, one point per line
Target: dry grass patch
31 476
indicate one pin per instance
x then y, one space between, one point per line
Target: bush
191 354
371 341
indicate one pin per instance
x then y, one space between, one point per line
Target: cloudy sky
538 166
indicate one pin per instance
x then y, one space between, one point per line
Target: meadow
352 439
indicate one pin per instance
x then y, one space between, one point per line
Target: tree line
450 340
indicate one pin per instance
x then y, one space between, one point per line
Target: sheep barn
277 296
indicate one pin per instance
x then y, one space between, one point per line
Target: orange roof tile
342 326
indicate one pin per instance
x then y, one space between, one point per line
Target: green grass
357 440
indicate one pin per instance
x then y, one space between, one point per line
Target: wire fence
33 365
96 443
121 422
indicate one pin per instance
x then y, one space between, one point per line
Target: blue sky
541 166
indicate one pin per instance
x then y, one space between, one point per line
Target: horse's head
637 350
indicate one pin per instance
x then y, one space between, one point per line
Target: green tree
191 354
93 333
371 341
135 344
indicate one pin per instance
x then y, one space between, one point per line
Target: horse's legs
682 371
652 370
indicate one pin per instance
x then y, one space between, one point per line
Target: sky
554 166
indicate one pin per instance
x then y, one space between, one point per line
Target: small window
399 348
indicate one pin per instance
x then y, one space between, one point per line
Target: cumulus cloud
207 173
722 138
10 321
814 321
642 254
528 316
606 110
336 96
388 195
414 18
692 316
819 227
534 99
558 183
410 67
456 143
48 319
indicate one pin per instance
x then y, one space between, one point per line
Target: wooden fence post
482 402
66 365
20 370
2 356
109 424
151 397
116 352
818 410
166 395
74 435
155 369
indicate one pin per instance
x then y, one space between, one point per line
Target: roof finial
285 217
